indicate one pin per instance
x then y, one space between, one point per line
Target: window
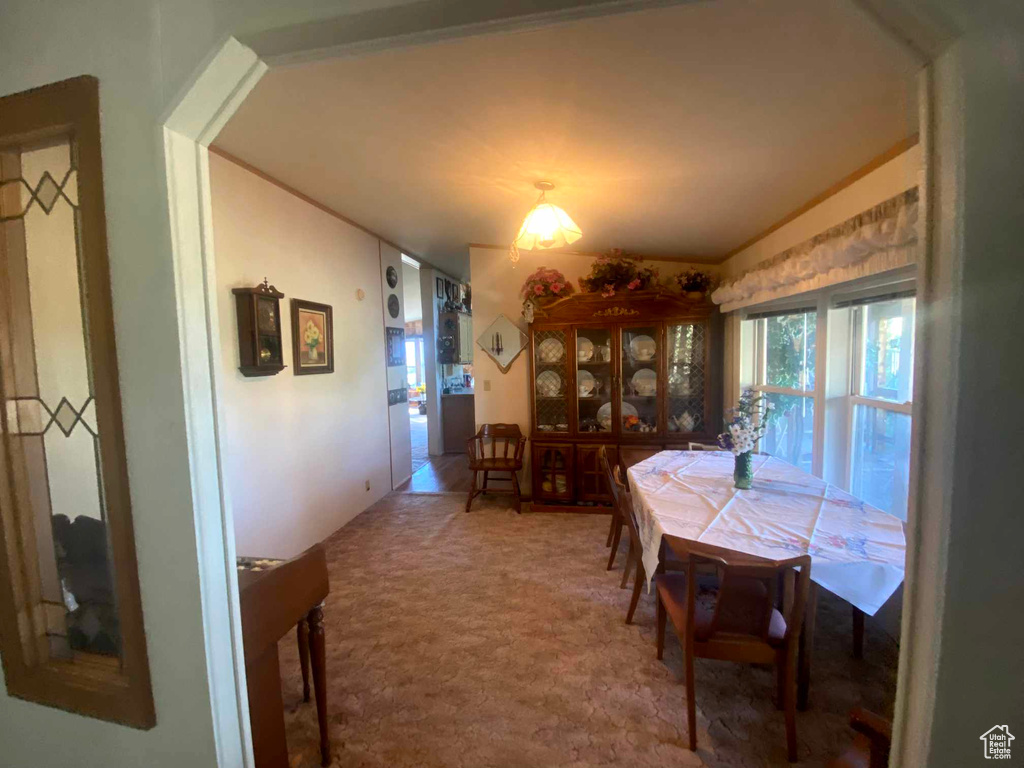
785 355
882 386
862 385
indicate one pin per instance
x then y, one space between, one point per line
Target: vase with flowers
543 284
745 424
694 283
618 272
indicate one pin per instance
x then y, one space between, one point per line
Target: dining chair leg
302 634
691 701
636 592
629 564
789 704
611 528
515 489
615 546
483 488
780 683
806 648
472 491
858 633
661 627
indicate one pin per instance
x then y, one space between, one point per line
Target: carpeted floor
493 639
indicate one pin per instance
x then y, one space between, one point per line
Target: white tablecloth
857 551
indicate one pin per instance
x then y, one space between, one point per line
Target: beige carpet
492 639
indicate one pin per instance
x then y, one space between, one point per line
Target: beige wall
898 175
299 449
496 287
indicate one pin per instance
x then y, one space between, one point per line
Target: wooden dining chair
615 528
506 443
635 556
743 625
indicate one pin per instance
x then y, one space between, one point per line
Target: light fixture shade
547 226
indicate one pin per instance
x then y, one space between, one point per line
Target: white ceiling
678 131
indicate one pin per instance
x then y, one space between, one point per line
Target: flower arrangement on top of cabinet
618 271
544 284
694 283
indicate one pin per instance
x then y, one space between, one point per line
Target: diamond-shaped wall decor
503 341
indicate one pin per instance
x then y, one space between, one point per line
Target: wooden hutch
642 369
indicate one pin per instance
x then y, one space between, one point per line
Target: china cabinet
642 369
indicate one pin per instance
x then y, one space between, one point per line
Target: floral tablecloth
857 551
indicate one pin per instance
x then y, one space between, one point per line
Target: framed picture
395 346
312 337
440 288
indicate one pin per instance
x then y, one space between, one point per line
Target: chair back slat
748 590
498 441
609 478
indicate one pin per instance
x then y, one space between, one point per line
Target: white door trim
227 80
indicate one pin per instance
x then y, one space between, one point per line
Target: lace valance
877 240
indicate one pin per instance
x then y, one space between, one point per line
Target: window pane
790 435
887 350
881 459
790 351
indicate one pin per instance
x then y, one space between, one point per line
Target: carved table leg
319 664
302 634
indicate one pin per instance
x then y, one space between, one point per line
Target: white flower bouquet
746 423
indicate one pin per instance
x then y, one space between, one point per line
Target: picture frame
440 288
395 338
312 322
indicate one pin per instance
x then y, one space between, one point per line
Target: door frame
217 92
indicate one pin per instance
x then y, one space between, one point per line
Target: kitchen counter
458 420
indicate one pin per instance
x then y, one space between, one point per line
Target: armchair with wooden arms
507 444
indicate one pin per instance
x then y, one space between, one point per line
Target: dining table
857 551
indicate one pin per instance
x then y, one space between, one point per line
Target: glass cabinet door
640 359
686 371
551 382
594 365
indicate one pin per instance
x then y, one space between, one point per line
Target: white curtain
875 241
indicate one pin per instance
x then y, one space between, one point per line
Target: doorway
415 362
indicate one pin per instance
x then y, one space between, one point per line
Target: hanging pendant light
545 226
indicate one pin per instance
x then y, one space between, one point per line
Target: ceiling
677 131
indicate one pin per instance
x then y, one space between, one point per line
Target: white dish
585 382
604 415
678 382
645 382
643 347
584 349
550 350
549 384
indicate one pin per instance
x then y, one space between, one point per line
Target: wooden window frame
117 690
